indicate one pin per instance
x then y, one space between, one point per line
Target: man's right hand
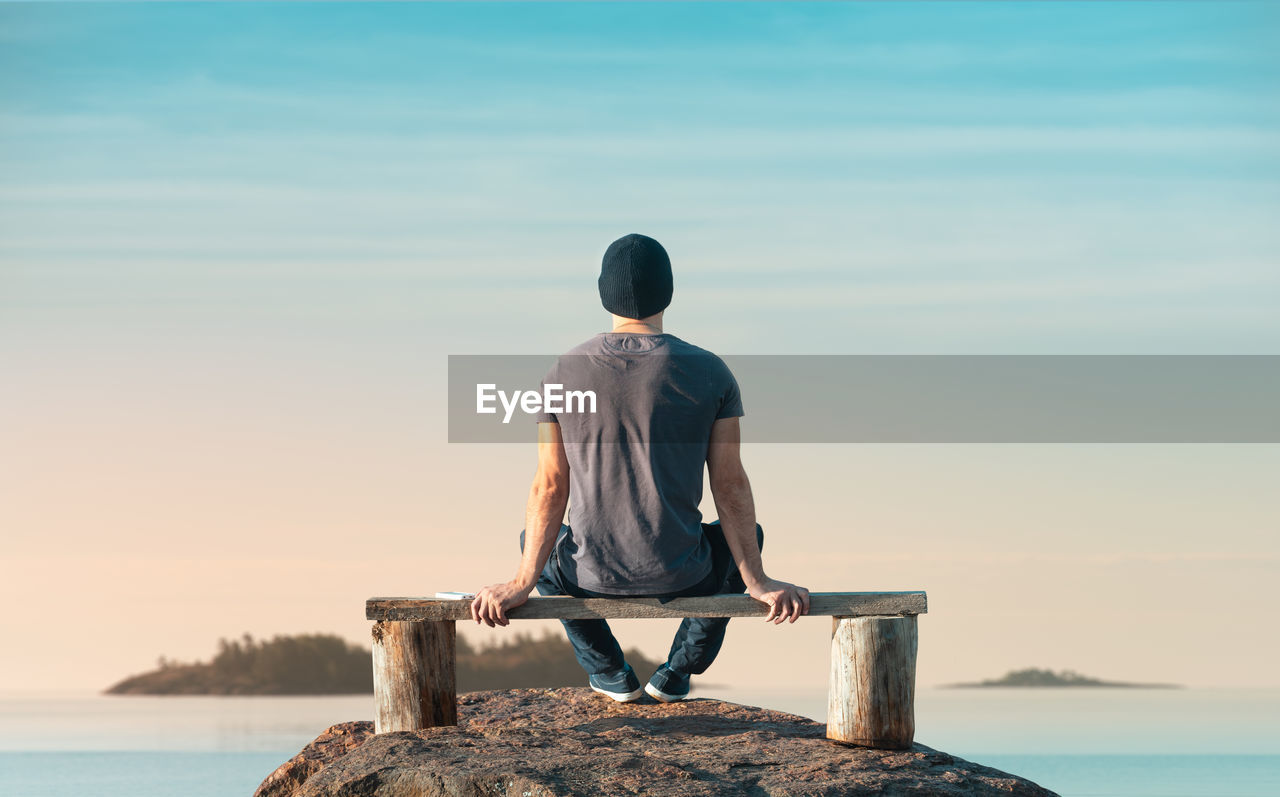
786 601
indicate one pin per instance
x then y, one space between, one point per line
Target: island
1037 678
326 664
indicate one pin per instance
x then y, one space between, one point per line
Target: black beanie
635 277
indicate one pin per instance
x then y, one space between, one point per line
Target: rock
571 741
335 742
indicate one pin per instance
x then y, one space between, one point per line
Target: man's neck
638 326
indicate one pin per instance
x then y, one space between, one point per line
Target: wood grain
871 699
834 604
414 677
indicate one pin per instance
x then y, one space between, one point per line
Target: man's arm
548 498
731 491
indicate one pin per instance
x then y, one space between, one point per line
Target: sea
1078 742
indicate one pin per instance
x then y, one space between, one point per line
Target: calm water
1095 742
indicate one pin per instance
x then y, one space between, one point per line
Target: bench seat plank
822 604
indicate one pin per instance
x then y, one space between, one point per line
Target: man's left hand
491 603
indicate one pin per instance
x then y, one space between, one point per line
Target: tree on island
325 664
1033 677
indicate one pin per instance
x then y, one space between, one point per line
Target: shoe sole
621 697
658 694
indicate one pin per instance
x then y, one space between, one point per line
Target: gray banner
931 398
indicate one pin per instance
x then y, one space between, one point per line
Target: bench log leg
414 675
873 681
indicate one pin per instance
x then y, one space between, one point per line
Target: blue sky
237 241
1044 177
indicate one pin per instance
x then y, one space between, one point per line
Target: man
634 471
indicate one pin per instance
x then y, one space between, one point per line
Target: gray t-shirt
636 463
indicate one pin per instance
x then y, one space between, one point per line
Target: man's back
632 466
636 463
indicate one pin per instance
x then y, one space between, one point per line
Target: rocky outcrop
334 743
562 742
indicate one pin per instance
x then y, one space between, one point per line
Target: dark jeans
698 640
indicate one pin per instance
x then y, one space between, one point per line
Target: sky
238 242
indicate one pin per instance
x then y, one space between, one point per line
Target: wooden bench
873 654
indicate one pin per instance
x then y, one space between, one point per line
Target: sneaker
623 686
668 685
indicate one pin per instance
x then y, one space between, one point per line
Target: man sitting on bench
634 469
